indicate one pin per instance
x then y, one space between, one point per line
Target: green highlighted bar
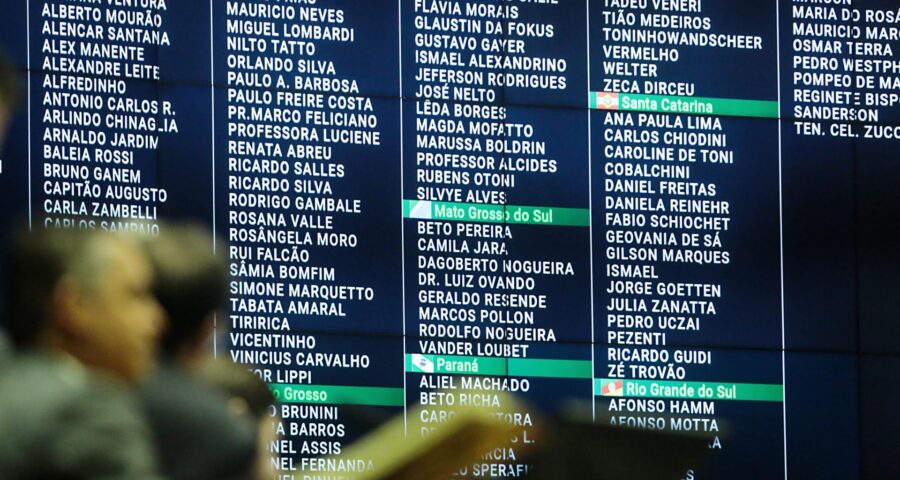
535 367
498 366
683 105
456 365
617 387
331 394
513 214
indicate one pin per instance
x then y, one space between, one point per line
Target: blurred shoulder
71 419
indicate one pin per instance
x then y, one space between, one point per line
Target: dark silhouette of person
9 95
197 436
251 398
9 98
81 315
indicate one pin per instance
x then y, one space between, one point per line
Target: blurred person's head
87 294
249 398
191 286
248 394
9 95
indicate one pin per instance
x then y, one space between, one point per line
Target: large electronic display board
677 215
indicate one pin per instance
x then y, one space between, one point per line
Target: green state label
538 367
513 214
455 364
499 366
339 395
683 105
617 387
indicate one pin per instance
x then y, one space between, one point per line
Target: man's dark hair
9 84
237 382
191 282
36 263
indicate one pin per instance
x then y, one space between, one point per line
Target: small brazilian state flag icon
420 210
612 388
421 363
607 100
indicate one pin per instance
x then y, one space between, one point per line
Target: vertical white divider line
781 235
402 221
28 93
590 209
212 121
